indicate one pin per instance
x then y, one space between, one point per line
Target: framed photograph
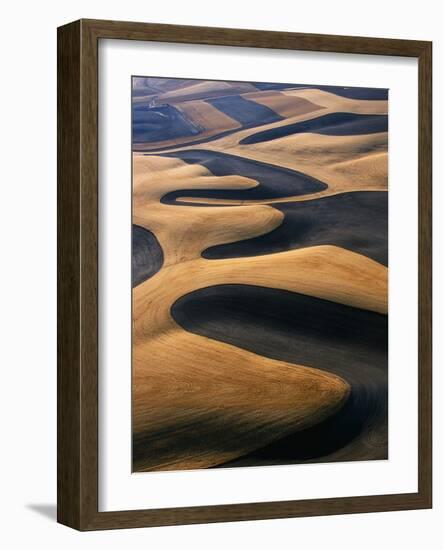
244 275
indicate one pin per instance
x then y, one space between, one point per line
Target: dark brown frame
77 480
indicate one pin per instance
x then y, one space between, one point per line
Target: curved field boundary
147 255
274 181
349 92
357 221
331 124
286 326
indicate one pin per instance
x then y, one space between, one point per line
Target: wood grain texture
425 275
254 38
77 275
68 276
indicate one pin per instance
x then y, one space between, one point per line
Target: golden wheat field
260 274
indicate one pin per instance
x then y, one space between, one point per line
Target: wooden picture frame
78 274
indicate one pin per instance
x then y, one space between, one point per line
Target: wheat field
260 274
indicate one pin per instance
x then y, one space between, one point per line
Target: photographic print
259 274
